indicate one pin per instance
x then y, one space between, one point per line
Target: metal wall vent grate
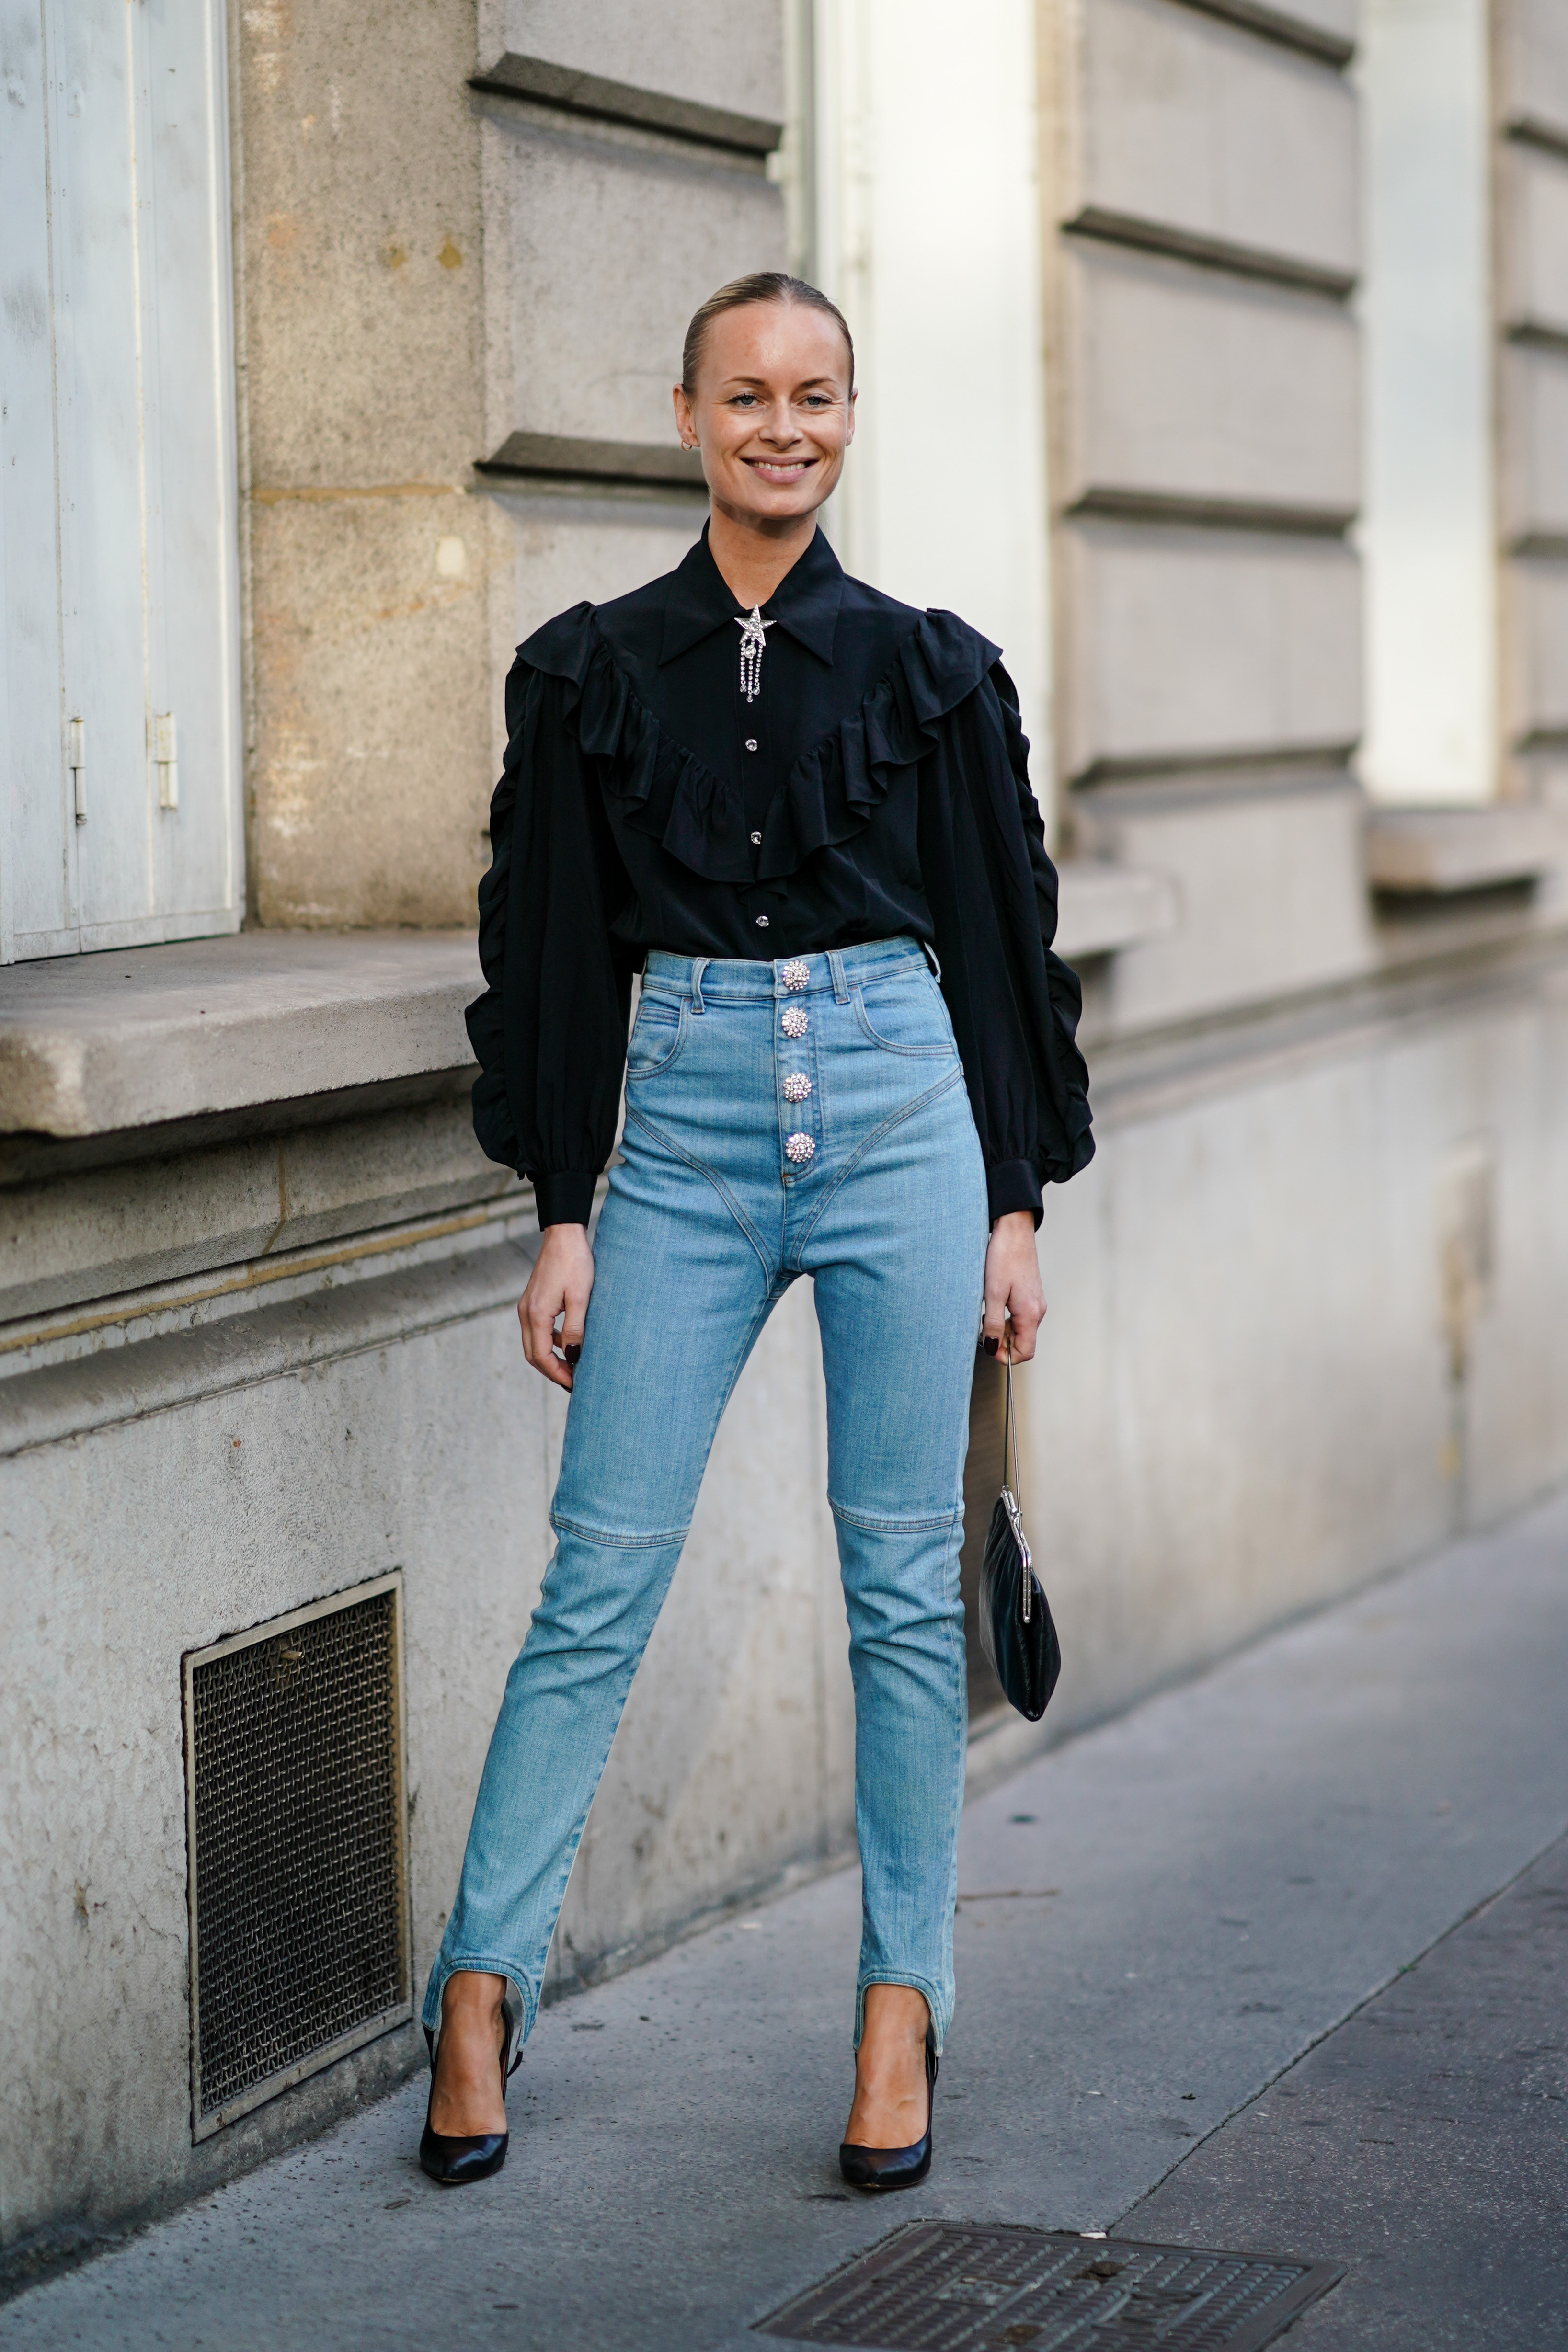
952 2286
299 1946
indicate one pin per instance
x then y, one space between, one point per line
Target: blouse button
756 841
761 922
750 742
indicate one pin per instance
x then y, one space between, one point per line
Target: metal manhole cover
955 2286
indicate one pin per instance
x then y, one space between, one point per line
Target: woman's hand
561 1283
1013 1292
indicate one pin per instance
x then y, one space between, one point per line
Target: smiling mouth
780 469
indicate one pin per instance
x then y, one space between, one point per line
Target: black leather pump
894 2167
452 2162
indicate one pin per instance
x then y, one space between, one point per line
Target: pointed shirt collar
805 601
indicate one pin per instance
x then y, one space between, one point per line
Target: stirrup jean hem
934 2001
483 1964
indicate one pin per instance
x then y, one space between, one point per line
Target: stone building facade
1215 361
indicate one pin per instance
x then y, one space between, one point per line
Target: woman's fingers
1026 1317
1015 1302
539 1310
574 1315
560 1286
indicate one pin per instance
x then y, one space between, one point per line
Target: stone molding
1441 850
599 99
1105 907
554 460
94 1045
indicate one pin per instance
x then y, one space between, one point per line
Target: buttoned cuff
566 1198
1012 1184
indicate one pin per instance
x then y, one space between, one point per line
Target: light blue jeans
773 1129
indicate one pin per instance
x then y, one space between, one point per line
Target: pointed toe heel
894 2167
453 2161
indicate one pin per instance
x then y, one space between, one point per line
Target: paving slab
1424 2144
1158 1919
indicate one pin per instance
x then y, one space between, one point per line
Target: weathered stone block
1195 123
1532 56
1188 643
684 47
1270 885
1534 441
571 549
360 227
611 248
1539 643
372 768
1187 382
1534 196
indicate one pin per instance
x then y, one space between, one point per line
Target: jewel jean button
799 1148
796 1086
794 1021
796 974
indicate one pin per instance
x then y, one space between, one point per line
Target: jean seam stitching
913 1053
875 1525
635 1118
932 1094
620 1542
656 1069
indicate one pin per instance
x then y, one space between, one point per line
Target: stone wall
257 1339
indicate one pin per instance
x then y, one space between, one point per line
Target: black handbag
1016 1629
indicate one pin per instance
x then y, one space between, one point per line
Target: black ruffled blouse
876 784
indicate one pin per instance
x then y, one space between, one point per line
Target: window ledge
95 1044
1106 907
1437 852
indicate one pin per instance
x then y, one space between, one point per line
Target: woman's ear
685 422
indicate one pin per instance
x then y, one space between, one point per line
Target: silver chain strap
1013 1504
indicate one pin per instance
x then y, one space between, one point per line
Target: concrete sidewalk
1158 1919
1424 2144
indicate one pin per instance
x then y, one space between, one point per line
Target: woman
793 804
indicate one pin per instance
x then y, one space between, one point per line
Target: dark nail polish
573 1353
992 1347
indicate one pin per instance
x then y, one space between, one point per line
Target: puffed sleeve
550 1032
991 890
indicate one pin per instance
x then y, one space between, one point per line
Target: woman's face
771 411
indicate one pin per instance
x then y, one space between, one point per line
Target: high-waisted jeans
805 1118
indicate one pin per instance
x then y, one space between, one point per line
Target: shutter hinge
75 759
166 753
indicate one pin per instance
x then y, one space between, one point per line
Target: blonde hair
760 286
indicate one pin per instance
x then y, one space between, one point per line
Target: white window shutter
118 534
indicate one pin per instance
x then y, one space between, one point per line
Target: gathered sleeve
550 1032
991 890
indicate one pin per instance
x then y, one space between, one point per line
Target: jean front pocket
905 1016
659 1032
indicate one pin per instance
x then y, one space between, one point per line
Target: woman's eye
744 400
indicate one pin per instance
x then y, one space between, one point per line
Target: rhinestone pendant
794 1021
796 1086
754 646
796 974
799 1148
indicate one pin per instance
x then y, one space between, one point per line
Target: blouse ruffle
830 793
556 968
